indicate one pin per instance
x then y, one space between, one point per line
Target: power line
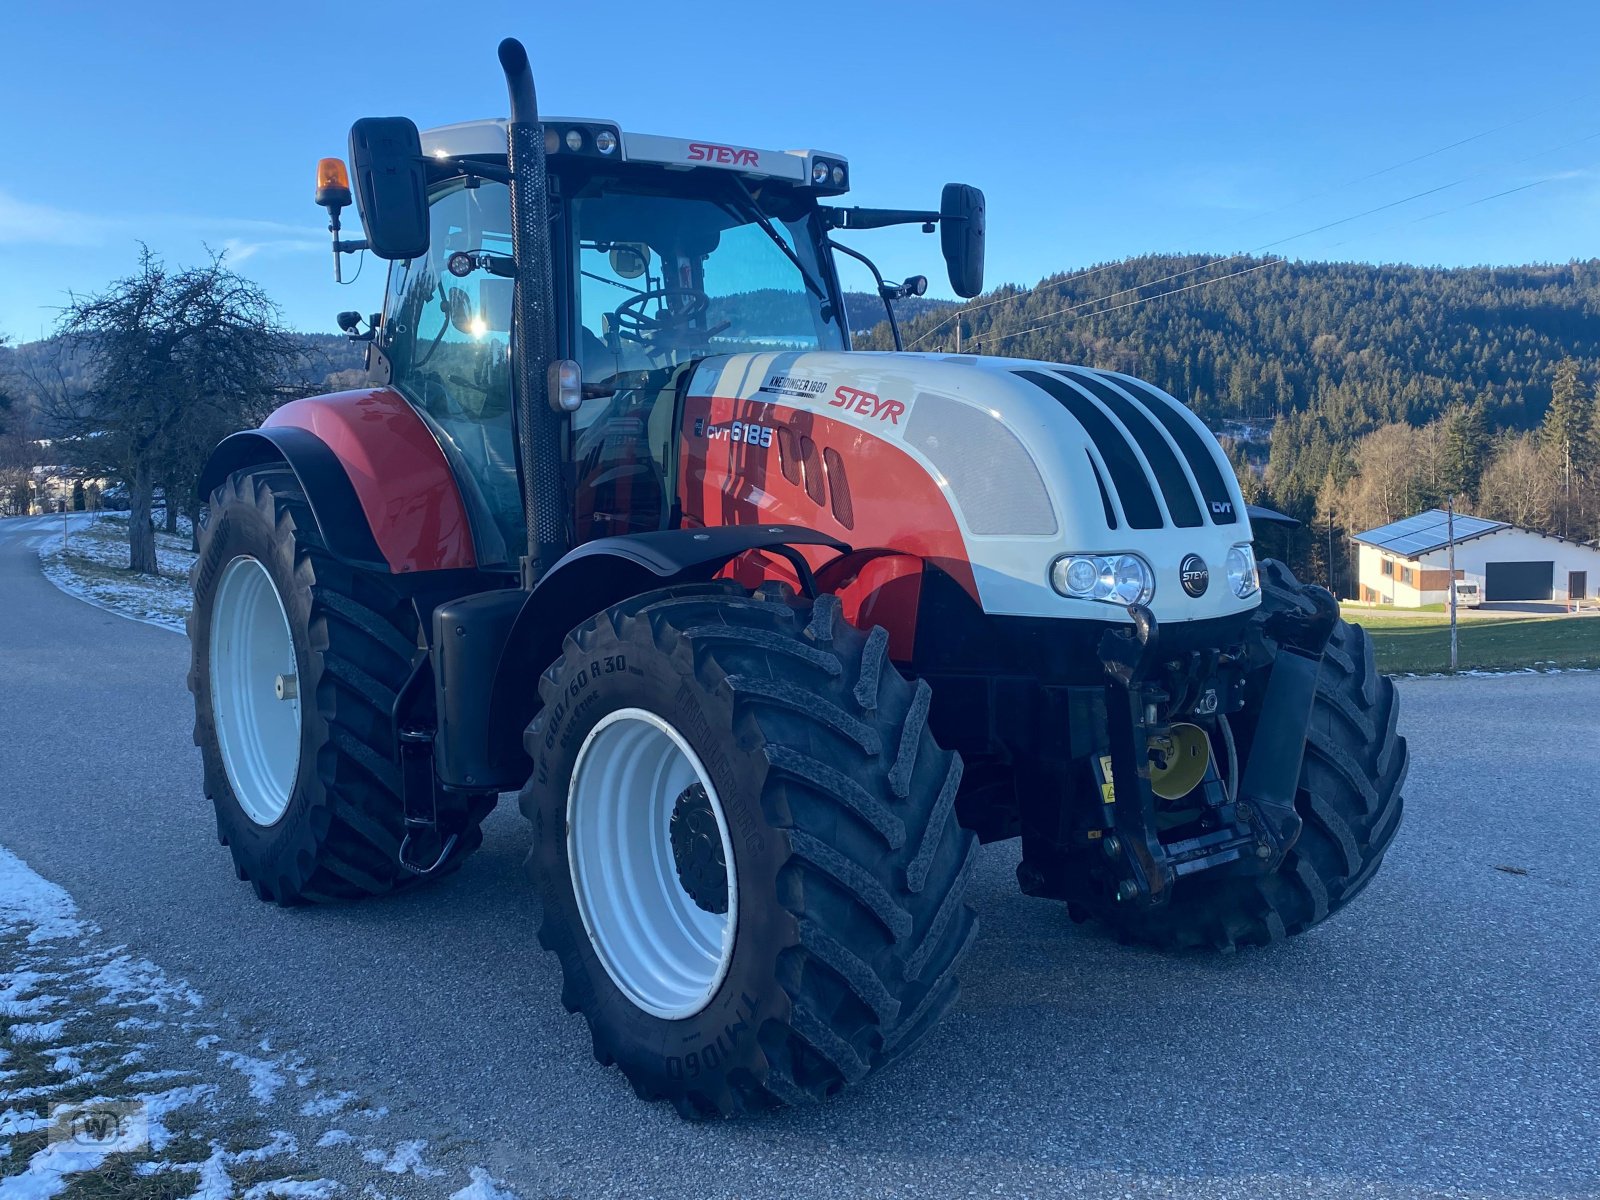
1141 300
1314 230
1457 207
1259 266
961 312
1339 187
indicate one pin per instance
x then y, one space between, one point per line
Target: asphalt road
1440 1038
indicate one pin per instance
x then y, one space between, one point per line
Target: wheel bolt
1126 890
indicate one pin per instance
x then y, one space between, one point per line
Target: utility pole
1330 549
1450 542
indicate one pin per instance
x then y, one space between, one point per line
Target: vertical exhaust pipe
541 430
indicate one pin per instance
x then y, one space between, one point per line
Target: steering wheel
630 321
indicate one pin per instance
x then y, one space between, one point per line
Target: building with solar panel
1406 563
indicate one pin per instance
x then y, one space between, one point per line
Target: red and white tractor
769 633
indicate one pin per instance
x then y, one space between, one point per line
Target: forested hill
1357 344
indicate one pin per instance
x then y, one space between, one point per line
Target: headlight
1115 578
1242 576
605 141
819 174
574 140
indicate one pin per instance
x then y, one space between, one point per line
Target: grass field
1422 644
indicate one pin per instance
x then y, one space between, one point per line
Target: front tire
1349 800
309 808
768 734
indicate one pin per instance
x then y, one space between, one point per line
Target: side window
448 340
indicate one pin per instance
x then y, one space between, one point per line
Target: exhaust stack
540 429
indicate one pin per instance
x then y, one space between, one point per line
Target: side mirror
961 229
391 185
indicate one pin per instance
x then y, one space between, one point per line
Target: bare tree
1523 482
172 361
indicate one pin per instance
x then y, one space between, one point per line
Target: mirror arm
884 290
877 218
341 246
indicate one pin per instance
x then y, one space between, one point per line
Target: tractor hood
1035 461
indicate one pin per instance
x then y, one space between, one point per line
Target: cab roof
487 138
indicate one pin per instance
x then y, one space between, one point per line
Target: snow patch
28 898
334 1137
48 1170
325 1105
483 1187
405 1157
37 1031
139 1077
294 1189
264 1077
138 983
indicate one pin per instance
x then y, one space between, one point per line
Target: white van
1468 594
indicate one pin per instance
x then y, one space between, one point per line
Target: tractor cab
665 251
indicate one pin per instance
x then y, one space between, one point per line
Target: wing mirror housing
961 235
391 186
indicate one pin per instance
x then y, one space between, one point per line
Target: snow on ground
91 562
116 1080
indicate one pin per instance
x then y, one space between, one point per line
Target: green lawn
1423 644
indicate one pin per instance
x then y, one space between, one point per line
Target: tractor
768 633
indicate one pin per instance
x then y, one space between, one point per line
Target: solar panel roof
1411 537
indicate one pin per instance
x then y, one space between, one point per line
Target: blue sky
1098 130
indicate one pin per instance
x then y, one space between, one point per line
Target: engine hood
1036 460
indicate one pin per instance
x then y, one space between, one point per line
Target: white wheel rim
665 952
252 660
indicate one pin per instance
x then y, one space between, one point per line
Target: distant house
1406 563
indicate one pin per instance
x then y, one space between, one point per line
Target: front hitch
1133 706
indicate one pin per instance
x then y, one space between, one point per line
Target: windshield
663 278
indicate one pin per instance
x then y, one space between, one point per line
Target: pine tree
1568 430
1466 450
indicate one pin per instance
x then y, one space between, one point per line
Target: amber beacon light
333 183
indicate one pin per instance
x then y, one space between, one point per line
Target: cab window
448 340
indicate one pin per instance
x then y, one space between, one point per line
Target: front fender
600 573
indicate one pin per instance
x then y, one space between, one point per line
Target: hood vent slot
1128 475
1105 496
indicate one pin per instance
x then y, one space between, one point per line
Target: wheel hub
697 850
255 690
652 863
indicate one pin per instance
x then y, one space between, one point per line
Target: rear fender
383 492
333 501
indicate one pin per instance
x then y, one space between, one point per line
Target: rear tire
848 873
336 833
1349 800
